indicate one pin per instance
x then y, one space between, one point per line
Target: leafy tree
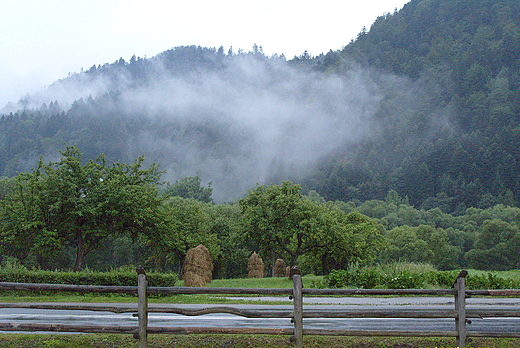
444 255
278 219
235 252
359 241
187 224
190 187
70 204
425 244
497 246
405 245
6 186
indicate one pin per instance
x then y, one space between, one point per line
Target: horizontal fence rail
459 312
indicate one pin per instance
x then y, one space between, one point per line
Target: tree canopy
190 187
278 219
68 203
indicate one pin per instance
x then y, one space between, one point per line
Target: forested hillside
464 59
425 102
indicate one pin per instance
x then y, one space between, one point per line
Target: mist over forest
425 103
233 119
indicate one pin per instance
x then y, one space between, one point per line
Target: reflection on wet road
77 317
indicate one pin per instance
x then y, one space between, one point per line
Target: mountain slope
466 55
426 103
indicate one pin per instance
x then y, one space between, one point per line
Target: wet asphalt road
76 317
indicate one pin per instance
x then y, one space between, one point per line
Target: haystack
197 267
255 266
279 268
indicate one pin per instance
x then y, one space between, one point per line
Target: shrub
405 280
443 279
117 277
490 281
408 276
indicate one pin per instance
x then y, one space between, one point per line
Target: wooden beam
383 333
501 292
220 330
298 310
373 292
78 307
69 328
142 307
183 290
460 308
68 288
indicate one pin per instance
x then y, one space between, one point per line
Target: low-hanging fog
235 120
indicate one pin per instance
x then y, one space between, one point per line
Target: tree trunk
324 264
80 257
294 260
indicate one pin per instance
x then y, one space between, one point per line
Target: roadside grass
237 341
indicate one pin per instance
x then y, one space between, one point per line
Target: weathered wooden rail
459 313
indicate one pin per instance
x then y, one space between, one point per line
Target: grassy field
237 341
514 274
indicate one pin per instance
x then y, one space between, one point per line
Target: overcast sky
43 40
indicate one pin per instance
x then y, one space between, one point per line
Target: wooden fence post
142 307
460 307
298 307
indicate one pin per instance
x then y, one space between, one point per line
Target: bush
366 278
490 281
404 280
415 277
442 279
127 276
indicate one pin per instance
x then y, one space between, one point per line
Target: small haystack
279 268
197 267
255 267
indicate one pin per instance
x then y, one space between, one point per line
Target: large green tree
187 223
71 204
277 218
424 243
497 246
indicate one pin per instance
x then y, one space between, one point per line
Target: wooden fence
297 314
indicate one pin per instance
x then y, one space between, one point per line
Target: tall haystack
279 268
255 266
197 267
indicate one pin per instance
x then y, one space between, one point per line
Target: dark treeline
424 105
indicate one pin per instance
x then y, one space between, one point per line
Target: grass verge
237 341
